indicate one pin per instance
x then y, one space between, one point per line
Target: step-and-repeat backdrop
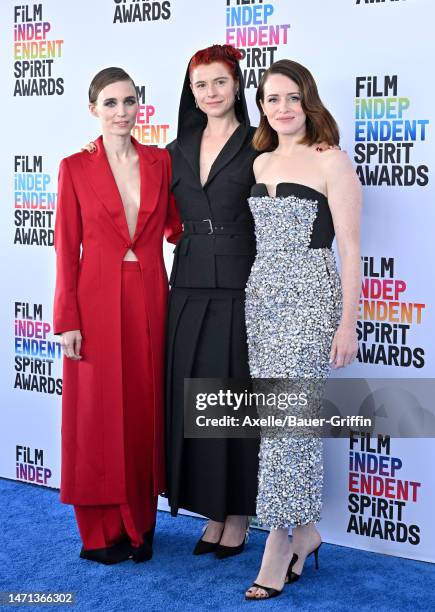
373 62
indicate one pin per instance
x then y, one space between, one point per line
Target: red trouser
103 526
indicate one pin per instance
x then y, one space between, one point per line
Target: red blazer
91 239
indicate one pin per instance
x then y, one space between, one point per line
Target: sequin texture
293 307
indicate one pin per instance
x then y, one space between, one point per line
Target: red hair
225 54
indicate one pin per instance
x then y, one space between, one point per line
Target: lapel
191 124
190 146
100 176
227 153
151 170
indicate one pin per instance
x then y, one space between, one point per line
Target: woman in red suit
114 206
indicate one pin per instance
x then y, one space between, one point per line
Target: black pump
203 548
223 552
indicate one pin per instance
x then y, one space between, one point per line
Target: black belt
208 226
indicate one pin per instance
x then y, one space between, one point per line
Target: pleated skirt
206 338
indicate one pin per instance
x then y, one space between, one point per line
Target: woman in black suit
212 162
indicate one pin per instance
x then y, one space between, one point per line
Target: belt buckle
210 225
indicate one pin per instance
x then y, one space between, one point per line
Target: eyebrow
290 93
115 99
216 79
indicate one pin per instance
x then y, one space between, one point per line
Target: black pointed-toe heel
291 575
203 548
144 552
223 552
121 551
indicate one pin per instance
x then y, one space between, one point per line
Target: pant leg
99 526
103 526
139 513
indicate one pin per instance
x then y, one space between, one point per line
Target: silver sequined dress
293 307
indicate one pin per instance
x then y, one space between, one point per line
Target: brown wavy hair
321 126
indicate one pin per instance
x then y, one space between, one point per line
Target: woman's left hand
344 347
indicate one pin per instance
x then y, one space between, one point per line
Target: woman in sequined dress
301 319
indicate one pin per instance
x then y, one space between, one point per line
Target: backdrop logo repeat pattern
30 465
385 318
385 135
145 131
37 353
250 27
35 53
377 495
34 202
131 11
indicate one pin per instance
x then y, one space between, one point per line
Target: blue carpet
40 546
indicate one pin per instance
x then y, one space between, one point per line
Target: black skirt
206 338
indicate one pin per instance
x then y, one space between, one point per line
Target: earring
237 95
196 103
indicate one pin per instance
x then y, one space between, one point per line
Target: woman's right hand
91 147
71 344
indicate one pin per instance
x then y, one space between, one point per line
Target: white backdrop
372 62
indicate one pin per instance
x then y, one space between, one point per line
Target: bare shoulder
341 179
260 162
334 160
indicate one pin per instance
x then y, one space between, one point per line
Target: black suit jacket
210 260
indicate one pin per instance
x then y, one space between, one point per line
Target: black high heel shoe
203 548
223 552
271 592
291 575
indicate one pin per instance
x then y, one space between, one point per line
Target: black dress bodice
323 233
